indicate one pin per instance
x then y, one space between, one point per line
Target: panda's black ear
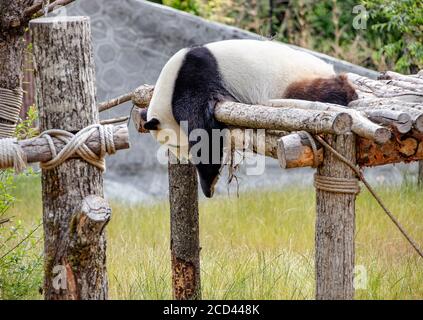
152 124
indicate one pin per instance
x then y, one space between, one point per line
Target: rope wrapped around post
12 154
10 106
337 185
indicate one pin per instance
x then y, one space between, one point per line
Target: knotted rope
10 106
75 144
12 155
344 185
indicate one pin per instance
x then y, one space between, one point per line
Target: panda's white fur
160 107
256 71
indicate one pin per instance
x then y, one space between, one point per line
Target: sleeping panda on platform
195 79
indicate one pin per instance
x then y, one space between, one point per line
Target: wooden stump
184 230
74 237
335 226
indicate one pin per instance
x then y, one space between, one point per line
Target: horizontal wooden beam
360 124
265 117
38 150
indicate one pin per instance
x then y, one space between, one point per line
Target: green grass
257 246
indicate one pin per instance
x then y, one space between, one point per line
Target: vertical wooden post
12 30
420 175
74 213
184 230
335 225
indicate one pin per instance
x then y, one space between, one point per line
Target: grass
257 246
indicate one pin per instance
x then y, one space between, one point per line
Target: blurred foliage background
377 34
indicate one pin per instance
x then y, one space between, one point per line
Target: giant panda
195 79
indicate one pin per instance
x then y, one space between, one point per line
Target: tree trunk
74 213
335 224
11 51
184 230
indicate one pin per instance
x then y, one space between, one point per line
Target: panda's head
160 120
170 135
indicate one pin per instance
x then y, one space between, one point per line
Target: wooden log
391 104
38 150
65 94
368 88
335 226
114 120
114 102
400 148
294 151
399 120
142 95
360 124
390 75
184 230
262 117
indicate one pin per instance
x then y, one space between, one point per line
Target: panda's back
255 71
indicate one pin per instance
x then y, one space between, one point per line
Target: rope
360 175
337 185
10 106
75 144
12 155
